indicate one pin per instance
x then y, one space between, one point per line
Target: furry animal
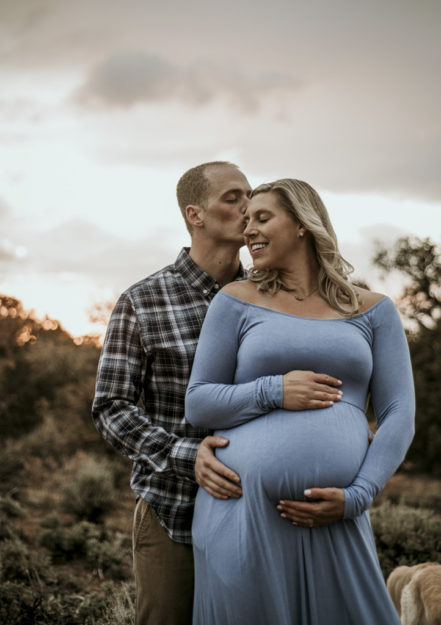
416 593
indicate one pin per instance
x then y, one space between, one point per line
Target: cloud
134 76
79 248
343 94
12 251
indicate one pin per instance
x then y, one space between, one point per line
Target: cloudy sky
105 103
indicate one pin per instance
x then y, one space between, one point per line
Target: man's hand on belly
328 509
217 479
307 390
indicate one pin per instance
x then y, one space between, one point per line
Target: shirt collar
197 277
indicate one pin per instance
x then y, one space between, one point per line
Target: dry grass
417 491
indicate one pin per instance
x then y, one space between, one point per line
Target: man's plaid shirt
148 354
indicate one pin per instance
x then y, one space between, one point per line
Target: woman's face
271 235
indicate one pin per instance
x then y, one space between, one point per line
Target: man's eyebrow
236 191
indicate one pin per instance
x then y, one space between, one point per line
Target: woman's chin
261 266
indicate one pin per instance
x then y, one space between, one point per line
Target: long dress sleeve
213 400
392 394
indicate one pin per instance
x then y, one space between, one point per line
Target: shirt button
217 286
205 291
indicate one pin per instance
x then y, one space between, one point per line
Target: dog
416 593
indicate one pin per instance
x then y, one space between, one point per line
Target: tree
420 262
425 351
41 368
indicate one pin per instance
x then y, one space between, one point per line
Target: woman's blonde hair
305 206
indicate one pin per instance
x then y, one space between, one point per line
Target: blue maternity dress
253 567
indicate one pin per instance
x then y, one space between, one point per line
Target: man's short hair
194 187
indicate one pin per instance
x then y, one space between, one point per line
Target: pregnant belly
282 453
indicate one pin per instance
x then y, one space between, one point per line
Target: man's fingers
222 493
221 469
219 487
216 441
207 461
217 479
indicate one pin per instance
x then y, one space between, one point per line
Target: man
147 354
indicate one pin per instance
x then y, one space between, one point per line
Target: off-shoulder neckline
280 312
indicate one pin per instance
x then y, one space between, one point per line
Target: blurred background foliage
65 504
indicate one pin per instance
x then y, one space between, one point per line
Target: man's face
228 199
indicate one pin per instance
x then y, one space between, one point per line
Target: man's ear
194 215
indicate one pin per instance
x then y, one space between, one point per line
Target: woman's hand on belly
307 390
328 509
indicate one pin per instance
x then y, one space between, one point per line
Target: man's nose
244 206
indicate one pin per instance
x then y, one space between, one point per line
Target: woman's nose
249 230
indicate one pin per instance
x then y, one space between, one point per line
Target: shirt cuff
183 457
269 392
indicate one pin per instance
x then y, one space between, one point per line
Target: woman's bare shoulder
242 289
368 298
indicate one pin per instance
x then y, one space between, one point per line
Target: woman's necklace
300 298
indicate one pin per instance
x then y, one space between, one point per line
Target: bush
405 536
429 501
91 492
121 610
11 508
11 469
7 531
68 543
18 564
21 605
16 604
104 553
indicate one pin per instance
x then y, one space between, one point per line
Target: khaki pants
163 570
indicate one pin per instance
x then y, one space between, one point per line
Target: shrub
428 501
16 604
96 604
67 543
18 564
11 508
104 553
121 610
11 468
7 530
91 492
21 605
405 536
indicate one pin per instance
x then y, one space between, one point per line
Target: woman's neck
302 278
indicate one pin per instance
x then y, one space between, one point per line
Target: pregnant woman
298 310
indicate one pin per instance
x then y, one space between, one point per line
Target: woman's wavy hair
305 206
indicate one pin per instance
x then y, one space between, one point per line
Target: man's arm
129 429
116 413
